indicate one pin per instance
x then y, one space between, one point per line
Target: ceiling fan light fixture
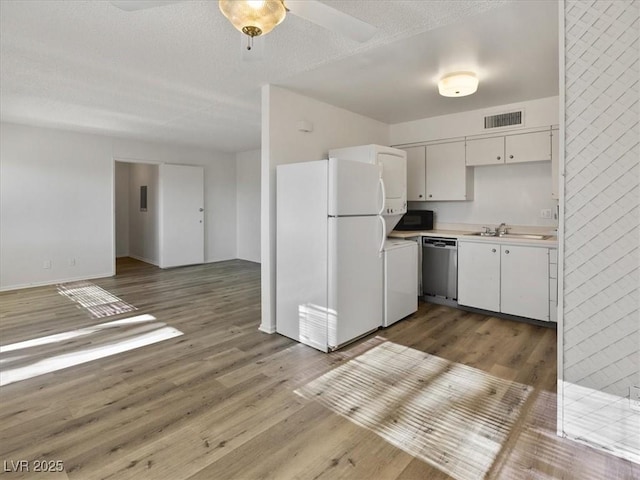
458 84
253 17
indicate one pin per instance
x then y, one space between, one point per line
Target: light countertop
551 241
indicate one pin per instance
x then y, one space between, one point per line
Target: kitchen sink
482 234
524 236
528 236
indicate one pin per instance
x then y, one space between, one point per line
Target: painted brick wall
601 326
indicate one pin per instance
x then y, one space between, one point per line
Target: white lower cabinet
553 285
511 279
524 285
479 275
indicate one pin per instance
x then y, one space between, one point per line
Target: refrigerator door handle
384 233
384 196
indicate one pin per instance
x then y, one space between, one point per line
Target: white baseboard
270 330
600 420
143 259
55 282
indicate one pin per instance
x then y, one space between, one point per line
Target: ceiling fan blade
134 5
332 19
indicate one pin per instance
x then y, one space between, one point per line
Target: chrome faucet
502 229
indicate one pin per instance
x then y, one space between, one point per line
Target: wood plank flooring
218 402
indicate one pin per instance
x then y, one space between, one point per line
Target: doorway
136 211
159 213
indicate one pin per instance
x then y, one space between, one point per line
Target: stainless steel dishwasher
440 267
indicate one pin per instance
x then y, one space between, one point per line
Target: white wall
537 113
122 209
599 328
56 204
219 187
282 143
144 226
57 201
248 205
513 194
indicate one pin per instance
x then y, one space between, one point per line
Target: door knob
498 157
493 250
510 156
507 252
201 209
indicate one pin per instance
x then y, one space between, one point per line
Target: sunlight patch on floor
97 301
539 453
43 355
449 415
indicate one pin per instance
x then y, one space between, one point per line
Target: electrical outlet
634 398
545 213
46 264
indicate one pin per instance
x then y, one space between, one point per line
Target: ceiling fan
258 17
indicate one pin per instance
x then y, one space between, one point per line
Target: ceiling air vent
510 119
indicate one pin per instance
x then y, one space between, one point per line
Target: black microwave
416 220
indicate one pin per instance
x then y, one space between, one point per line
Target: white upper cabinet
485 151
416 174
528 147
448 177
516 148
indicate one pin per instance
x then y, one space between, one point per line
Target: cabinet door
479 275
447 176
528 147
416 174
555 164
485 151
524 287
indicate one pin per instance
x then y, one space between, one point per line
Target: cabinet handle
419 196
430 195
493 250
507 252
510 156
498 157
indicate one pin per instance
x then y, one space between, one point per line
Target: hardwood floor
218 402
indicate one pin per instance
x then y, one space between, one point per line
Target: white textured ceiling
175 73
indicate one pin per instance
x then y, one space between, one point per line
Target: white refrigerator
329 242
393 164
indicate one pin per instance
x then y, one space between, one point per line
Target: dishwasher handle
434 242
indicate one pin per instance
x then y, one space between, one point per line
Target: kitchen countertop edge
465 236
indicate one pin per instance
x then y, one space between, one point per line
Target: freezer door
354 188
355 278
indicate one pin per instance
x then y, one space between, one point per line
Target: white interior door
181 215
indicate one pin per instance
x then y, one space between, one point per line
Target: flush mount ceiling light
253 17
458 84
